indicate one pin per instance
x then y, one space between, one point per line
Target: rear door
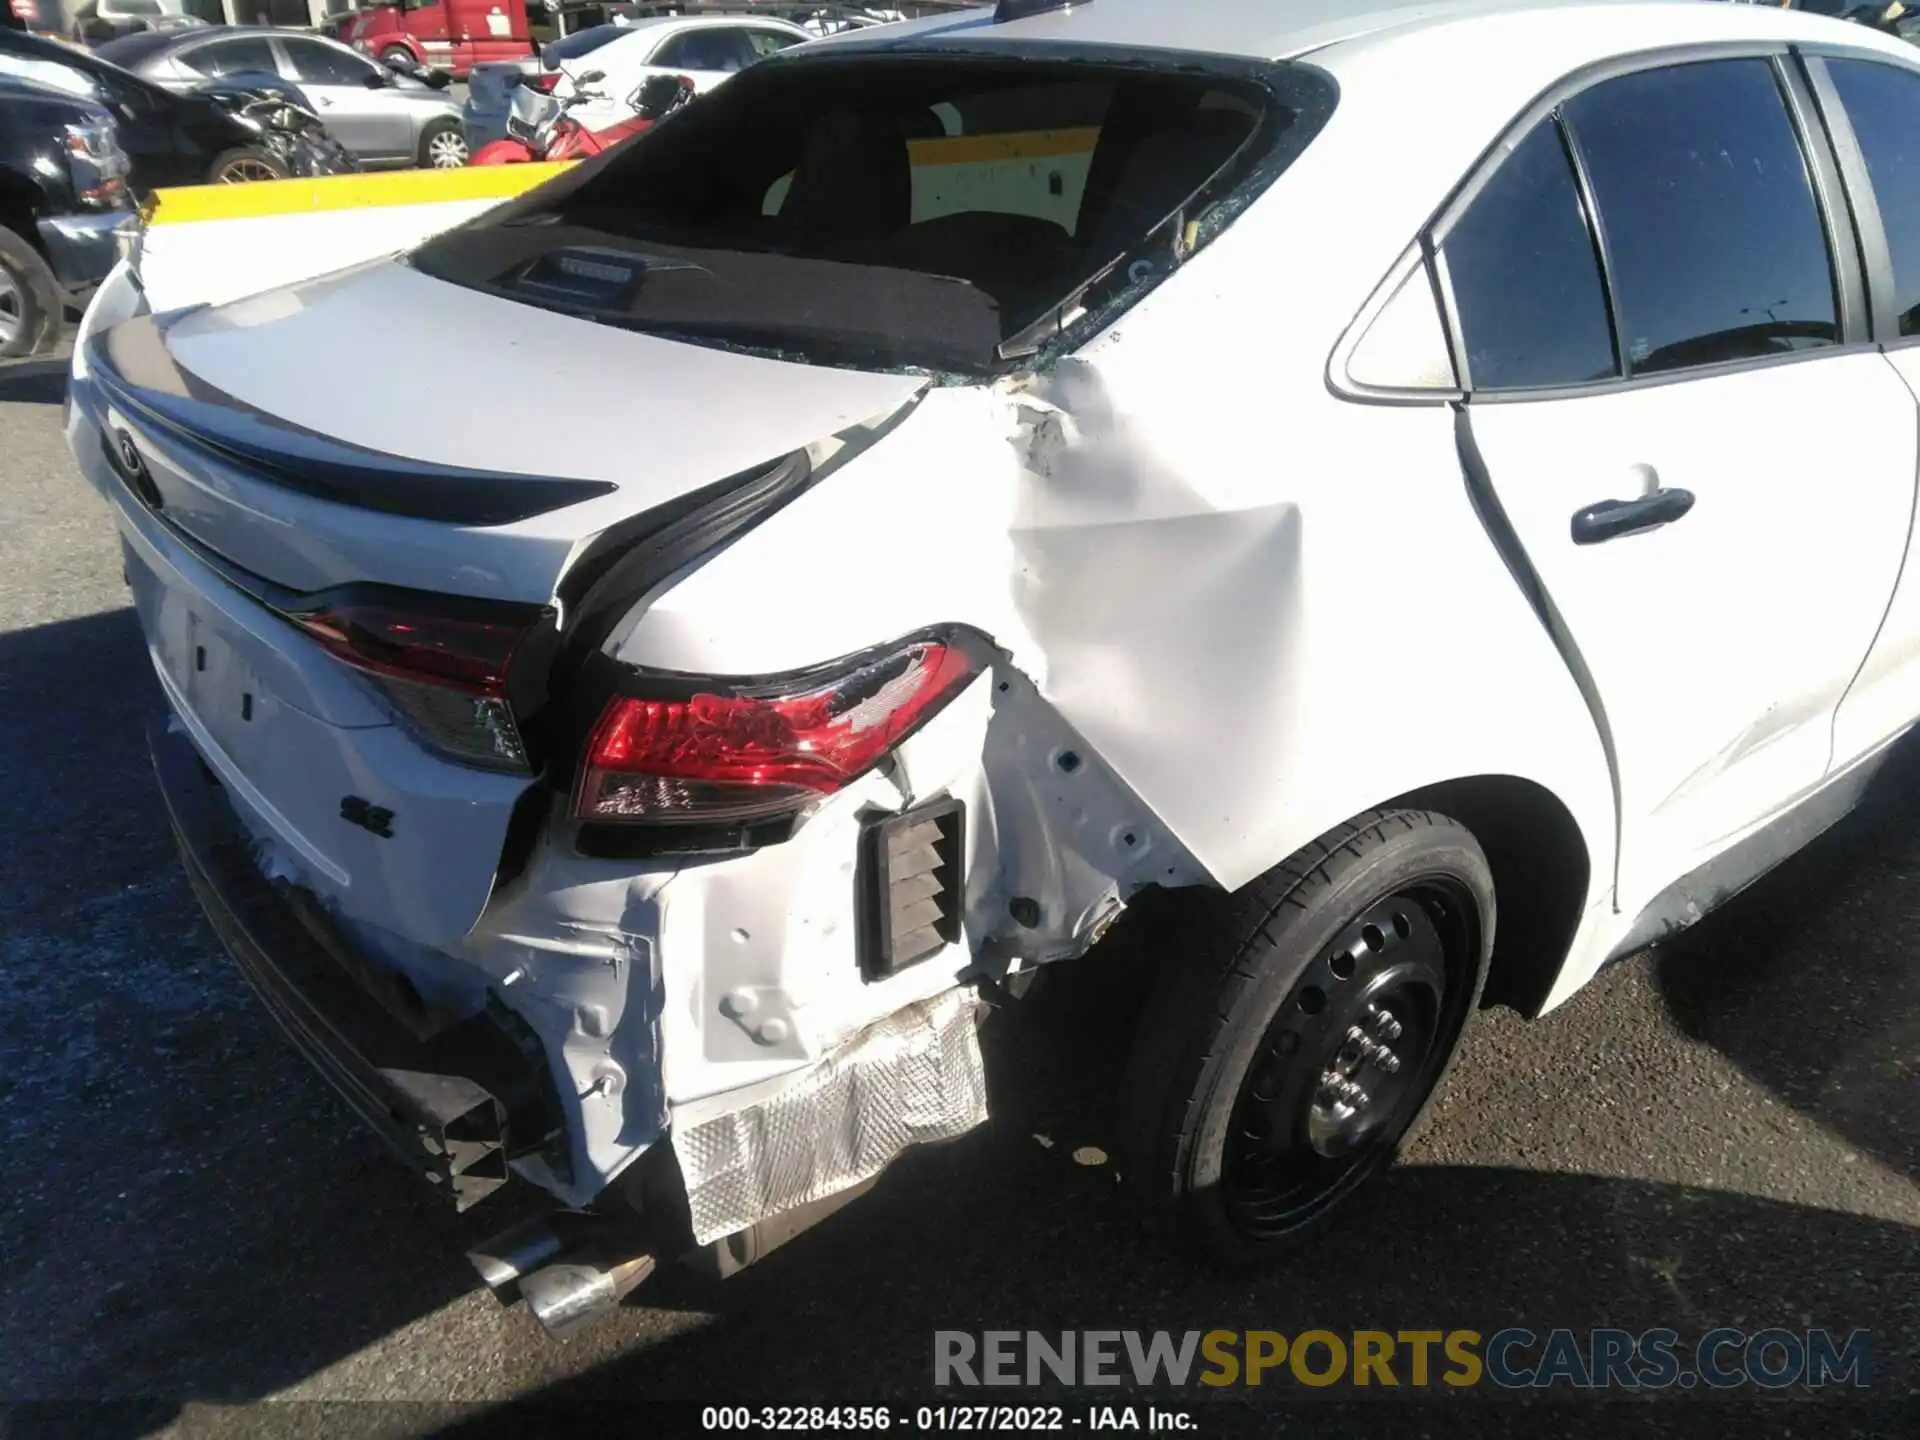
352 96
1873 110
1678 408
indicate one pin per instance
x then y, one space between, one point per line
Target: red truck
451 35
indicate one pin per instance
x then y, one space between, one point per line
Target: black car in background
63 192
171 139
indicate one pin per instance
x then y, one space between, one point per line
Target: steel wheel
13 304
1348 1060
1298 1030
446 150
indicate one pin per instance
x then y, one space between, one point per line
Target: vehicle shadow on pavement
190 1211
1810 980
998 1231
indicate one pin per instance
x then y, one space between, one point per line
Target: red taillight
544 81
471 655
447 674
714 757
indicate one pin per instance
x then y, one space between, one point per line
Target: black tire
397 54
1379 929
243 164
435 145
30 296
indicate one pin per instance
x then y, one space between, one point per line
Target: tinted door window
226 57
1883 102
705 50
319 64
769 42
1713 234
1526 283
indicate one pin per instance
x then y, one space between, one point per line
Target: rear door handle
1610 519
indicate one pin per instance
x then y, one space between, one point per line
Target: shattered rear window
897 212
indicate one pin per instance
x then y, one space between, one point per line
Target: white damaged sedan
1324 474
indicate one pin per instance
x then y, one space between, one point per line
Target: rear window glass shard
897 212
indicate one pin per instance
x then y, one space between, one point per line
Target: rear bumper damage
728 1044
462 1102
912 1078
456 1103
597 1010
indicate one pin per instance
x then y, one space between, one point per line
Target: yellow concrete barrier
345 192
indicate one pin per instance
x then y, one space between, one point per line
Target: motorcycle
290 139
539 127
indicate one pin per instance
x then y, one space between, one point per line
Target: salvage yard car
383 118
996 471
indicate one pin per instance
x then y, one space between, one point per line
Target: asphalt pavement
1722 1133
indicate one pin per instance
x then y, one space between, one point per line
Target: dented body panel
1227 608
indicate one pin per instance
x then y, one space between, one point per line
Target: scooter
539 128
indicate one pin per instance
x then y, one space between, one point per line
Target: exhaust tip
571 1294
516 1251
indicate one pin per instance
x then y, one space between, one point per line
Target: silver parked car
387 120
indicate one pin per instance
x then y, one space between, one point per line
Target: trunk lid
383 429
381 425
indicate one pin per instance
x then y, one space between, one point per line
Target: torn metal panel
914 1077
757 952
1064 842
572 948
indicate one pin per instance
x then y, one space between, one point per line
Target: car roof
200 34
1285 29
655 24
159 42
131 50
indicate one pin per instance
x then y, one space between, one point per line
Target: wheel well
1540 874
19 199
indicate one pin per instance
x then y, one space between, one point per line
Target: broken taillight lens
735 754
446 673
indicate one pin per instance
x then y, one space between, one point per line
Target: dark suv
63 191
